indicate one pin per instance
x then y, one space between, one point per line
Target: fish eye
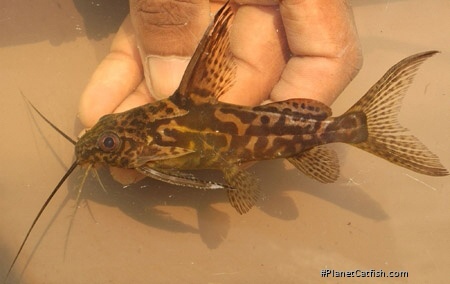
109 142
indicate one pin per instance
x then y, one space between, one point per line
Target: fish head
111 141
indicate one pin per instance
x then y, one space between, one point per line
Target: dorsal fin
211 71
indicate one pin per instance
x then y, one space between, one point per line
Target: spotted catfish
193 130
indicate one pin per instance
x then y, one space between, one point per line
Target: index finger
115 78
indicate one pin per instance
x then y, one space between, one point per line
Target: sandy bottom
376 216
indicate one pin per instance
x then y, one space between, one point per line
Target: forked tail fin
386 137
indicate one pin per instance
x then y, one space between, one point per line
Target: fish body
193 130
211 136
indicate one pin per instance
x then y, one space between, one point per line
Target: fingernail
163 74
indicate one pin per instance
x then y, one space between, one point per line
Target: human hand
307 49
292 49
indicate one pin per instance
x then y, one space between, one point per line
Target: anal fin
246 188
320 163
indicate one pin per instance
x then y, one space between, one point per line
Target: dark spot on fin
180 179
246 187
320 163
386 138
211 71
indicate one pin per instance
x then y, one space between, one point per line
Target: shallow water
376 216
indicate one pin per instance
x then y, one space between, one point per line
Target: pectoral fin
246 187
180 179
320 163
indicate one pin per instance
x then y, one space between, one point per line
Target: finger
115 78
138 97
125 176
168 33
258 2
260 50
325 47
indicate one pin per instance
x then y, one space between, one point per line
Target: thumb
167 34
